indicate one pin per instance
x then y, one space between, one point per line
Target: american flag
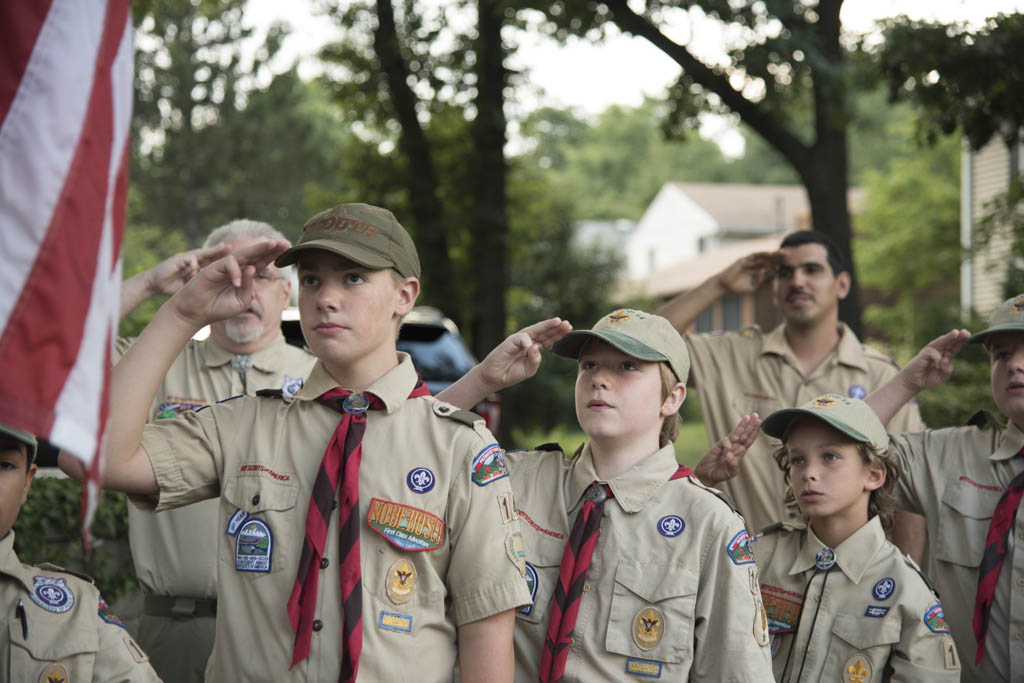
65 109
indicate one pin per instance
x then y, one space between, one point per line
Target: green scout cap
1008 317
23 437
638 334
851 416
369 235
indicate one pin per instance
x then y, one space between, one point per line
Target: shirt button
256 499
1020 581
334 505
586 587
1018 636
317 624
324 562
1020 535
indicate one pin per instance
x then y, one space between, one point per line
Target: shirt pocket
51 644
964 517
258 524
543 560
855 636
652 612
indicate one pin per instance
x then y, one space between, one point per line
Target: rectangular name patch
395 622
404 526
876 611
643 667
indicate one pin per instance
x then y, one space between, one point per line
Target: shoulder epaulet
875 354
924 577
270 393
776 527
466 417
50 567
552 446
983 419
715 492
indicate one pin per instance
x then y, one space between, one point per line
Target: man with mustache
175 552
809 354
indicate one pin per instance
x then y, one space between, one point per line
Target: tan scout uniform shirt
262 455
664 598
749 371
55 630
955 477
175 553
875 611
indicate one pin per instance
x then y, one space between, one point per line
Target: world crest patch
52 594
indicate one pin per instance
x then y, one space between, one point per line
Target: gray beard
243 333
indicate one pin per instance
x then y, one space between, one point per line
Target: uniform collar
265 360
393 387
853 556
9 563
1010 442
849 351
634 487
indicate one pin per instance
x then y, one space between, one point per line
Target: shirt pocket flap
855 631
656 586
964 518
54 643
971 501
257 493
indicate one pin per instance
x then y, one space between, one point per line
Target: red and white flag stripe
66 71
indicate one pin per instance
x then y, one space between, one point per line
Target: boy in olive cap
60 627
968 482
843 603
399 569
634 567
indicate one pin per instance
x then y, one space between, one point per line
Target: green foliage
958 78
49 530
967 392
143 247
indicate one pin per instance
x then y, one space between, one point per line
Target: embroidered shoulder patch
52 594
531 583
739 548
108 616
782 608
404 526
489 465
254 547
935 620
175 406
236 521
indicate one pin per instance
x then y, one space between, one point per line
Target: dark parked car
437 349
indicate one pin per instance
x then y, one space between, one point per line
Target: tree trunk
421 178
489 245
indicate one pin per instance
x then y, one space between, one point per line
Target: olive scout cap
369 235
851 416
23 437
1008 317
641 335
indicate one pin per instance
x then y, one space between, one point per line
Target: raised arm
722 461
221 290
932 366
512 361
743 276
168 276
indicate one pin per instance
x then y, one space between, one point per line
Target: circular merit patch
857 669
648 627
401 581
858 391
53 594
671 525
420 480
883 589
55 673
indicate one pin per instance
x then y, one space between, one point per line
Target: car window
438 355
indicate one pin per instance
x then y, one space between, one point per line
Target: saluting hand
933 364
746 274
224 288
171 274
518 357
722 461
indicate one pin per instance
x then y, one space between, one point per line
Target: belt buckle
183 607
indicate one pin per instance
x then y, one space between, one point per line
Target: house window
730 313
704 320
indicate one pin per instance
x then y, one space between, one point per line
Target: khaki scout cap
1008 317
369 235
22 436
851 416
638 334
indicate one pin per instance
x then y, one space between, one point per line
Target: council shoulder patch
404 526
254 547
108 616
52 594
935 620
489 465
739 549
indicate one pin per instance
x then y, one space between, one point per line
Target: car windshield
438 355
